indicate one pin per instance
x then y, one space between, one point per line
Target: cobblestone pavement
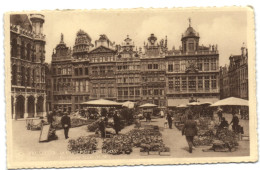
27 148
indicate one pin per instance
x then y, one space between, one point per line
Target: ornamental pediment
101 49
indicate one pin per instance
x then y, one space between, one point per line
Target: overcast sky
225 28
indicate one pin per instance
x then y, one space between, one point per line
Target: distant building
234 78
28 86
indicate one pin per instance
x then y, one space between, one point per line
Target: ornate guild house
28 66
192 71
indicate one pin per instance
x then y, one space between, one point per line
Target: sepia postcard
130 87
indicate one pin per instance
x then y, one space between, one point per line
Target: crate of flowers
93 126
120 144
83 145
165 151
144 152
228 137
202 140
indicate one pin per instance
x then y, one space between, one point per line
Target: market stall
148 108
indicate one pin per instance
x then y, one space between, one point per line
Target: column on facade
203 83
35 105
26 106
197 83
210 85
14 108
44 106
18 51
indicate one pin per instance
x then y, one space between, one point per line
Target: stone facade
234 78
124 72
192 71
28 65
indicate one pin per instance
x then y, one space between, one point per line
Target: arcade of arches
28 106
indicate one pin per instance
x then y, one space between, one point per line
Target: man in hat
116 119
220 114
65 122
102 127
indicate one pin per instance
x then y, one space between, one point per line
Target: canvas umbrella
102 103
231 101
193 104
206 103
147 105
128 104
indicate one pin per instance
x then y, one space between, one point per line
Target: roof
190 32
22 20
82 33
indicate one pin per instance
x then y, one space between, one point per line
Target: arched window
14 48
14 75
28 49
22 76
28 77
22 51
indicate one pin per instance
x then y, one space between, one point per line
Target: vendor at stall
161 113
223 124
116 119
235 122
220 114
101 126
169 119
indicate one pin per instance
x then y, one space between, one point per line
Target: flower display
83 145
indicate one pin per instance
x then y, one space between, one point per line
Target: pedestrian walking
116 119
66 124
169 119
190 130
102 127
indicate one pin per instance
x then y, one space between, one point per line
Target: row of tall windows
103 59
80 71
128 91
128 67
82 86
103 89
153 91
201 65
61 71
103 71
61 84
128 80
192 83
153 79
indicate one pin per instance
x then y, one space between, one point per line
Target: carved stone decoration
192 67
